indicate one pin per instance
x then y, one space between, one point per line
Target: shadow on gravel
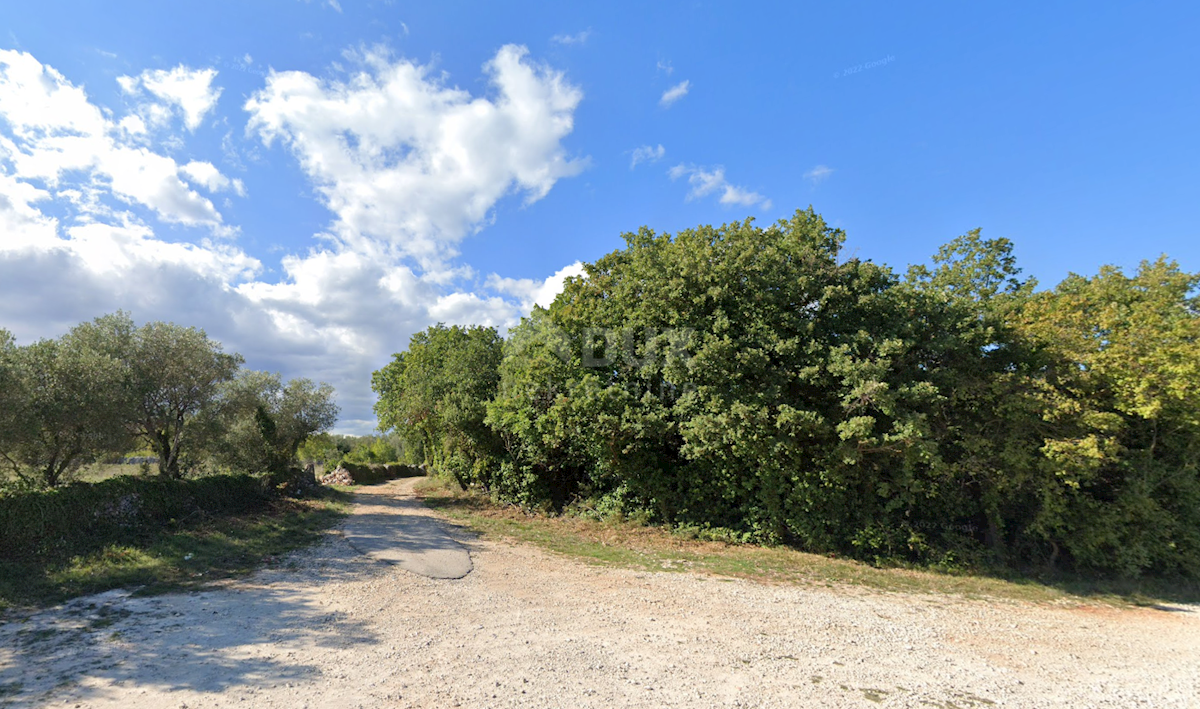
402 535
1160 594
206 641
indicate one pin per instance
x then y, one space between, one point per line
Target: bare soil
330 627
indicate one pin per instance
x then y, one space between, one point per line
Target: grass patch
179 555
629 545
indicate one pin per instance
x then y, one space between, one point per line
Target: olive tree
62 409
171 374
264 421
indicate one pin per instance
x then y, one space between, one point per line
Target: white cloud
398 156
673 94
532 292
60 138
21 222
818 174
646 153
665 67
577 38
71 248
206 175
706 181
191 91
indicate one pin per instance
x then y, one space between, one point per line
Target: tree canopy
109 385
761 384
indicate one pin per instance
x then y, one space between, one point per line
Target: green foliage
64 408
156 533
172 374
435 396
265 422
323 449
108 386
757 382
375 473
1122 411
83 517
373 449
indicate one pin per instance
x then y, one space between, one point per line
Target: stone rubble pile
340 476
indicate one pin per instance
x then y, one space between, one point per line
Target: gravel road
335 628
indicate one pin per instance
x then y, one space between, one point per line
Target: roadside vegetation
631 544
327 451
745 384
216 487
153 534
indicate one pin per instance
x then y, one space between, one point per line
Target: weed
179 555
620 543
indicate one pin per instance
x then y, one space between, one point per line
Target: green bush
84 517
751 383
375 473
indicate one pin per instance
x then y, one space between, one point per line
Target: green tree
986 421
10 393
758 380
741 384
64 409
1122 408
321 449
375 449
435 396
176 372
264 421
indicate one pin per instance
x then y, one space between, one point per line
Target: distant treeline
761 384
108 388
329 450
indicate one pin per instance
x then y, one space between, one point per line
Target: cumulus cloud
577 38
399 156
73 248
58 137
818 174
190 91
206 175
647 153
532 292
673 94
706 181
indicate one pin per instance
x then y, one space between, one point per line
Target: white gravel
526 628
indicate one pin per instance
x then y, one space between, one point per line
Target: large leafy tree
10 394
264 421
758 380
743 383
435 395
172 373
985 422
64 408
1122 405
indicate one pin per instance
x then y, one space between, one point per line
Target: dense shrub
85 517
375 473
760 381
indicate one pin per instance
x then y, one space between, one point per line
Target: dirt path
525 628
390 524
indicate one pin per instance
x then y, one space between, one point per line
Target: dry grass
630 545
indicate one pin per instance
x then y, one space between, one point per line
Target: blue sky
311 182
